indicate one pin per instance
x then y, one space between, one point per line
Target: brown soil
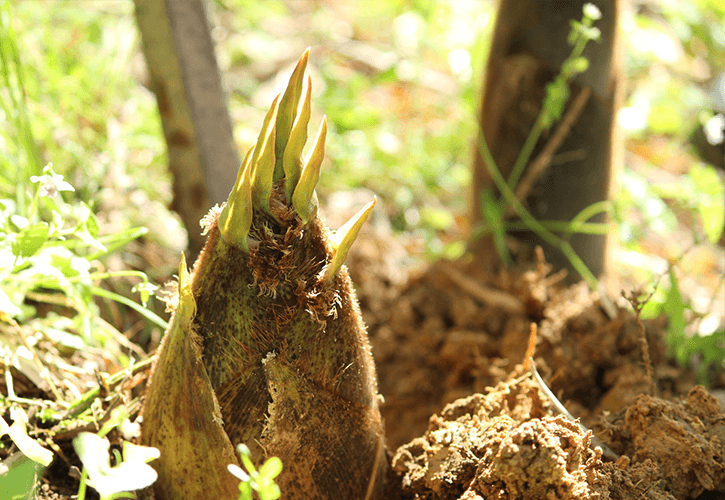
450 344
507 444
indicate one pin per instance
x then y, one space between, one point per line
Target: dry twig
42 369
637 306
541 163
491 296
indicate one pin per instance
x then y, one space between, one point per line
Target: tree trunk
528 47
184 76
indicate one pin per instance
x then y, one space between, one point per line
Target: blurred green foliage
399 81
399 100
54 246
69 95
21 480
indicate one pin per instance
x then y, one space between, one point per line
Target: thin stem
82 486
529 219
112 274
153 318
539 165
604 206
564 246
544 119
552 225
523 158
117 241
85 401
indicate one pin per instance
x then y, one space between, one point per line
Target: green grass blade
153 318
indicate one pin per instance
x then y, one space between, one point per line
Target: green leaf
264 482
711 348
88 218
577 65
30 240
153 318
342 239
493 211
114 241
245 491
271 468
235 218
87 228
288 112
131 474
20 480
575 28
675 309
304 198
246 455
261 481
292 159
557 93
18 432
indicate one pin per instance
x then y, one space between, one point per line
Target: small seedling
261 481
18 432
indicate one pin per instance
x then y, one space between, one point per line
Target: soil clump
449 345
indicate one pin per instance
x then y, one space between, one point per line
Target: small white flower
52 182
592 11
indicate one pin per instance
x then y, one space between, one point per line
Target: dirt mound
508 444
669 449
451 333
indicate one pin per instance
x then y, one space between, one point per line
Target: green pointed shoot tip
344 237
292 160
187 305
304 198
235 218
263 160
288 111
